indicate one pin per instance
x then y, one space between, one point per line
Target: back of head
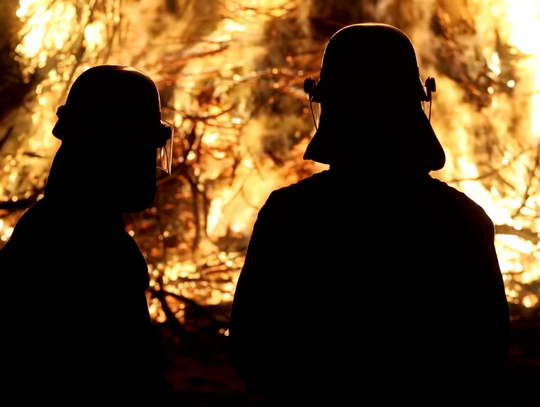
369 62
109 100
110 127
371 96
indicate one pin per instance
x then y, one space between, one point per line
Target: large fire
230 74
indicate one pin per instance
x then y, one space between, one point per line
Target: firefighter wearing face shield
371 283
77 327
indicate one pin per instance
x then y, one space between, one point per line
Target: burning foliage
230 75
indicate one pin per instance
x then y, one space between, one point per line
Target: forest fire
230 75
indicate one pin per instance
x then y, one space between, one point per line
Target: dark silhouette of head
110 128
371 96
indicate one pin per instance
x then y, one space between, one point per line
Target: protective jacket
361 289
77 329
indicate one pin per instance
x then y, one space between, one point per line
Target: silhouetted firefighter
77 329
371 283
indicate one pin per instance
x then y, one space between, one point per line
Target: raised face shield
165 147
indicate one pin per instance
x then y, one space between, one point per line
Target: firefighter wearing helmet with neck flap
370 101
371 256
81 334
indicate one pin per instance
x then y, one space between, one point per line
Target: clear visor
316 110
165 153
426 105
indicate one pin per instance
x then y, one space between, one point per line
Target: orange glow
214 66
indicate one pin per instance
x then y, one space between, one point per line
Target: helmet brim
327 147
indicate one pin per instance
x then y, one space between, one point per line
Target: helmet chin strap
309 87
313 115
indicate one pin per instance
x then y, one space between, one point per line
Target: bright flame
213 71
524 32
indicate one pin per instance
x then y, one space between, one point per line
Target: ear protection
59 111
430 88
309 86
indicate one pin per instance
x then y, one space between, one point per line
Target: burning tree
230 74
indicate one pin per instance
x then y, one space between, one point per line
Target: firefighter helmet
115 105
371 63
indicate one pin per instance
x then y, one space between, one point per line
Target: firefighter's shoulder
459 203
304 190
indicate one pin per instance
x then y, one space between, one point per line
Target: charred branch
526 234
22 204
531 177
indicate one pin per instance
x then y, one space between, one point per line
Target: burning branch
526 234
